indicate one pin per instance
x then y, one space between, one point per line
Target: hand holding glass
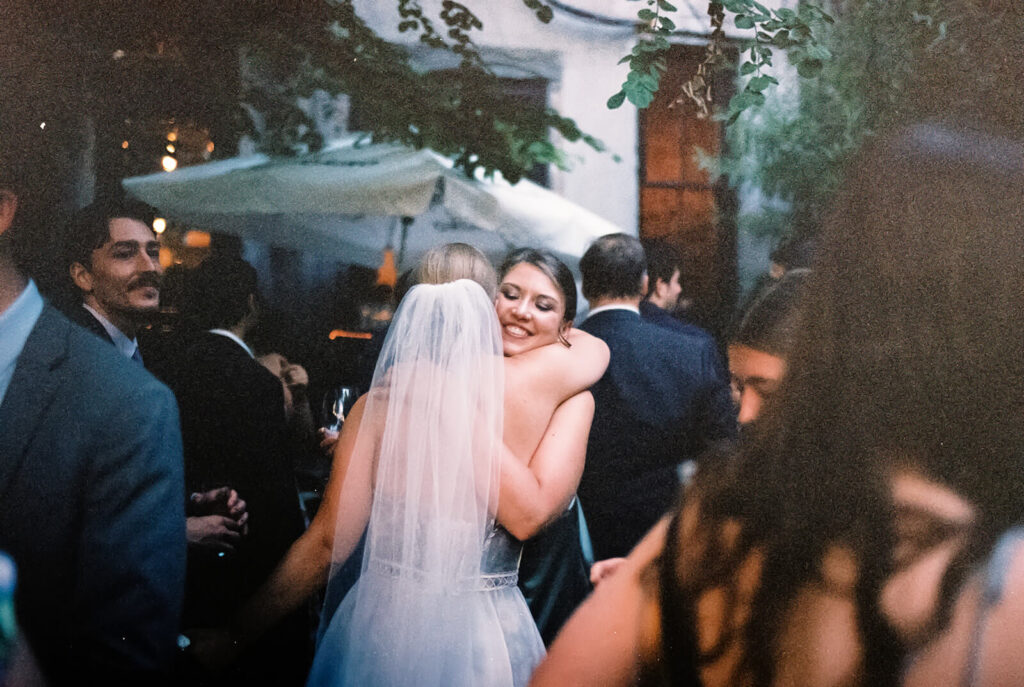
337 403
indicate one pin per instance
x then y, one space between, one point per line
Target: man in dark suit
235 432
113 258
664 269
90 484
659 403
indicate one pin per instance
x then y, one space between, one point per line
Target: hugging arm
566 371
534 494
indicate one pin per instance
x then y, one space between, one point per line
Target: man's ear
644 283
81 276
8 206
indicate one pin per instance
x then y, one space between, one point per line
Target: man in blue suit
659 404
664 270
90 486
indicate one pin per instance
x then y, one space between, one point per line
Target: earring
564 341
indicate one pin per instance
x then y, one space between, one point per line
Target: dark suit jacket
235 434
91 508
659 403
662 318
87 321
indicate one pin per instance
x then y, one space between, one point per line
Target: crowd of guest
832 495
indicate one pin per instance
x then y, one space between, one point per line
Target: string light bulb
169 163
159 225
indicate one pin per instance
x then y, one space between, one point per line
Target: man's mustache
143 280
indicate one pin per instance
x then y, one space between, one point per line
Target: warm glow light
124 145
387 273
342 334
209 147
197 239
167 257
159 225
170 148
42 125
172 135
169 163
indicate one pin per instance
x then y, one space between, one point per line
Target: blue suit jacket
662 318
660 402
91 508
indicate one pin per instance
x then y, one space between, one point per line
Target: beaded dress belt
481 583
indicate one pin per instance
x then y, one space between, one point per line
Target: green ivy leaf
616 100
648 81
667 24
781 39
758 83
744 22
637 94
747 68
666 6
545 14
646 15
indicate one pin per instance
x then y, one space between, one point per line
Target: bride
421 466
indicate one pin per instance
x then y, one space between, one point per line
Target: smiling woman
536 301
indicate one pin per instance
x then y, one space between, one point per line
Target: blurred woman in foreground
869 532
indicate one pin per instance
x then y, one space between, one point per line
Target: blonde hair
452 261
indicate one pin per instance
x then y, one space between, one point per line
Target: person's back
235 434
436 602
661 401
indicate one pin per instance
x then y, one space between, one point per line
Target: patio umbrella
352 200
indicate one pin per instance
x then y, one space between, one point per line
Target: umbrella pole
406 222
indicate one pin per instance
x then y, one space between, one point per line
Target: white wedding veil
431 438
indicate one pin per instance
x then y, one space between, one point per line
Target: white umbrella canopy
347 201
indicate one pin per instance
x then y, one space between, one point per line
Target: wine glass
337 403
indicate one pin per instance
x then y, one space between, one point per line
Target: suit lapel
32 389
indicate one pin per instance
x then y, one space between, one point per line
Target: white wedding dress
436 603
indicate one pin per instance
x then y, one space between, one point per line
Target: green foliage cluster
782 29
797 146
773 29
462 112
647 59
